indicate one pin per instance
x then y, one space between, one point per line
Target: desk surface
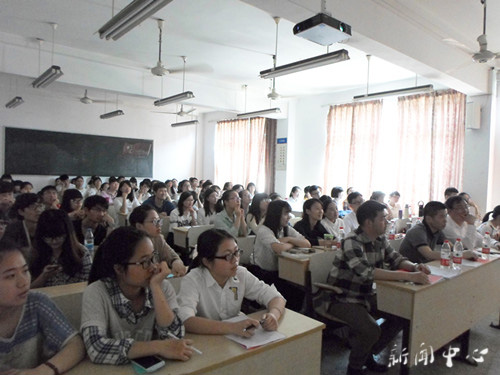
299 352
444 310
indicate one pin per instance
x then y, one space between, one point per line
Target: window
413 144
245 152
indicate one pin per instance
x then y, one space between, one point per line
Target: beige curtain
351 144
240 152
419 154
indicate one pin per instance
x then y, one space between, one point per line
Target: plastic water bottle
445 255
485 251
89 241
341 237
458 251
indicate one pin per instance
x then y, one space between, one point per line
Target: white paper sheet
260 337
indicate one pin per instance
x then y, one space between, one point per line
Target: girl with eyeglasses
146 218
72 203
214 289
35 337
59 259
129 310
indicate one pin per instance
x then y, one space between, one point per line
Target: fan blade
200 68
191 110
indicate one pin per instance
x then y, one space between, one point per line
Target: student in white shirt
355 200
206 214
393 204
331 220
295 200
492 225
257 212
184 215
215 287
460 224
93 187
125 202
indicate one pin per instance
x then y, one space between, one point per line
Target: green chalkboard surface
40 152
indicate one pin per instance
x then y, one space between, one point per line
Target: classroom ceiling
228 42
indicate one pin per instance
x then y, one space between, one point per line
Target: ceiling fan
182 112
159 70
86 100
484 55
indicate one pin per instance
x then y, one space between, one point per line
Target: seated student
125 202
184 215
355 200
257 212
159 200
274 237
72 203
49 197
206 214
129 310
252 189
111 191
96 218
420 242
214 289
361 262
230 217
204 187
460 224
314 191
294 199
26 187
246 200
60 259
473 208
35 337
331 220
4 221
337 195
310 225
79 182
27 209
450 192
393 205
146 218
492 225
93 187
142 194
6 197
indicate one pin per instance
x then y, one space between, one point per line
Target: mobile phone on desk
146 364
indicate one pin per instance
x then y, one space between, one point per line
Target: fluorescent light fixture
399 92
261 113
14 102
313 62
129 17
47 77
174 99
185 123
118 112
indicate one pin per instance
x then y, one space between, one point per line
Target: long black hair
225 197
130 195
117 248
206 203
273 216
139 214
255 206
307 206
68 195
494 214
55 223
208 243
185 195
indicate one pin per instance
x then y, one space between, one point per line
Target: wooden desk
294 269
187 237
298 353
440 312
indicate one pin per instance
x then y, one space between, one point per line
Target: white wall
174 148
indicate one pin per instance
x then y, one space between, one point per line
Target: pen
171 335
261 322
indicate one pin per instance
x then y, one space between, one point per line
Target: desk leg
405 343
497 326
464 349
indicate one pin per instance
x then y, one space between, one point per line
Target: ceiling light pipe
185 123
174 99
47 77
13 103
310 63
108 115
400 92
261 113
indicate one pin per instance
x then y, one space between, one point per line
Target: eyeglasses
54 239
36 206
156 222
146 264
231 256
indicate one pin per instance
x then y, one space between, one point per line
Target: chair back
319 268
165 226
194 233
246 244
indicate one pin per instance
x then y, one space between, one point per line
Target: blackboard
39 152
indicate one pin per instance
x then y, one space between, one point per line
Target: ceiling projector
323 29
